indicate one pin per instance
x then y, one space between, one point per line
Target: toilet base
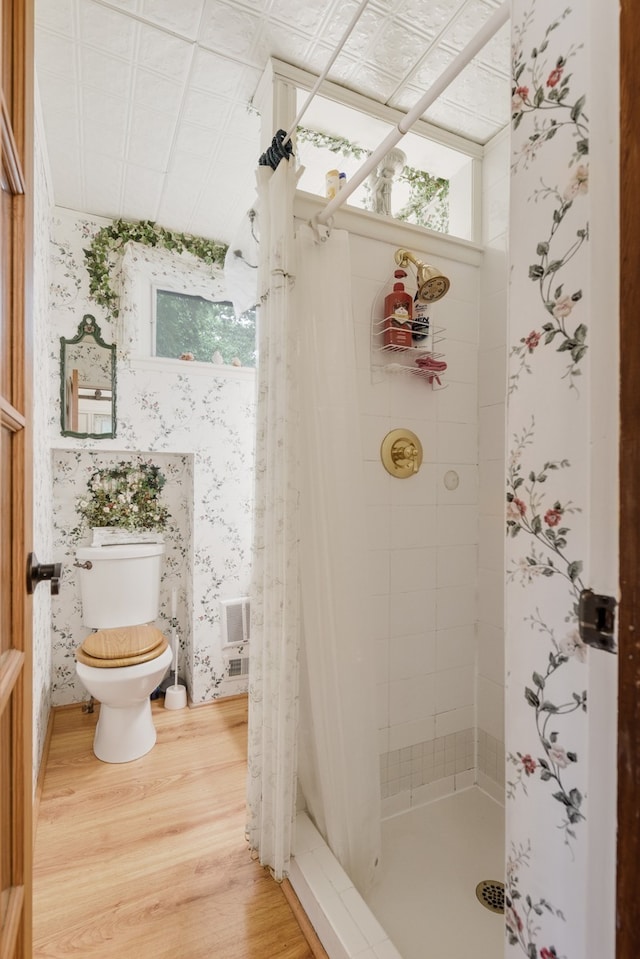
124 733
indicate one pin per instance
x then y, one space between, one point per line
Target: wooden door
16 65
628 910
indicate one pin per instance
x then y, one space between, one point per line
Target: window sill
189 367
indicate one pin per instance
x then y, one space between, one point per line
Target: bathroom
420 532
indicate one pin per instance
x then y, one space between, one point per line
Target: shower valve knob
41 573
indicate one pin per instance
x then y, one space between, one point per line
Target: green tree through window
192 324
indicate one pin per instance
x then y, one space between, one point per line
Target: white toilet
126 659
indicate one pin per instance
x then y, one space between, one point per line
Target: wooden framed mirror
87 383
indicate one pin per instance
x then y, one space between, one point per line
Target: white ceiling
146 103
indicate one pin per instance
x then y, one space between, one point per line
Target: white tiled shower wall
492 375
423 541
436 556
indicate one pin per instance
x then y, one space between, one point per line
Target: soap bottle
332 184
421 321
398 313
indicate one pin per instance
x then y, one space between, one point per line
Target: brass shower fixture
432 284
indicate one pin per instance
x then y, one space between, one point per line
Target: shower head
432 284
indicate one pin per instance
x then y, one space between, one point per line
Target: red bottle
398 313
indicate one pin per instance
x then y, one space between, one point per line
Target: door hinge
597 620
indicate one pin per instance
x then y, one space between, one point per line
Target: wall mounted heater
235 621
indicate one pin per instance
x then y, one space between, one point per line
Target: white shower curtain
338 764
309 547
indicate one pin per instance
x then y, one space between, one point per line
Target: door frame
16 694
628 843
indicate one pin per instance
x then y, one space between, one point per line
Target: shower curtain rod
323 75
488 30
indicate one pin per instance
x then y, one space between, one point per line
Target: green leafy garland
108 242
428 200
125 495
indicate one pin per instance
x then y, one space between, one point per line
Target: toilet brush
175 697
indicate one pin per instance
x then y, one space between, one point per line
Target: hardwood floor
148 859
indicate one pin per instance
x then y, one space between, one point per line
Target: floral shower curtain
308 555
275 599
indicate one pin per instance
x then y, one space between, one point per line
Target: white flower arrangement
125 495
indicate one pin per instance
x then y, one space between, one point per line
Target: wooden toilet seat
124 646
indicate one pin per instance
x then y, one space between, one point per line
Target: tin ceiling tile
168 55
432 15
103 183
103 72
141 192
105 122
371 81
205 109
392 50
150 138
182 18
497 53
472 17
364 31
55 54
244 123
108 30
126 6
304 17
58 15
272 41
65 126
214 73
68 174
151 90
193 140
57 95
230 30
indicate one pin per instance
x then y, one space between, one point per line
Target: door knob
41 573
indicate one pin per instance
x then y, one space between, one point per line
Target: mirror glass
88 383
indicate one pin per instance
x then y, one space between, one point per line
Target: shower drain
490 894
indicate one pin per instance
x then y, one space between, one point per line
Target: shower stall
433 613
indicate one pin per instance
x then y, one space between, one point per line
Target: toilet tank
122 587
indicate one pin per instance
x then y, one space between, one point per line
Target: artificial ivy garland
108 242
427 205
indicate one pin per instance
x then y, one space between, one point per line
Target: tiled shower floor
433 857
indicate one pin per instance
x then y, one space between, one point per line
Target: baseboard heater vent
239 667
235 622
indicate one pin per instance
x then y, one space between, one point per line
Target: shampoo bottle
421 322
398 312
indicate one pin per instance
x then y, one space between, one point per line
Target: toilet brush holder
175 697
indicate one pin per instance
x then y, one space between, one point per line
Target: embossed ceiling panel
146 103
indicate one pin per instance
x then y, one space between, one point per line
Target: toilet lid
124 646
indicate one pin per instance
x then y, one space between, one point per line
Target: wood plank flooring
148 860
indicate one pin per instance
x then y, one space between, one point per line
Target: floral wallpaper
547 484
194 420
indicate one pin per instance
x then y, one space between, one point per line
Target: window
188 324
434 189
